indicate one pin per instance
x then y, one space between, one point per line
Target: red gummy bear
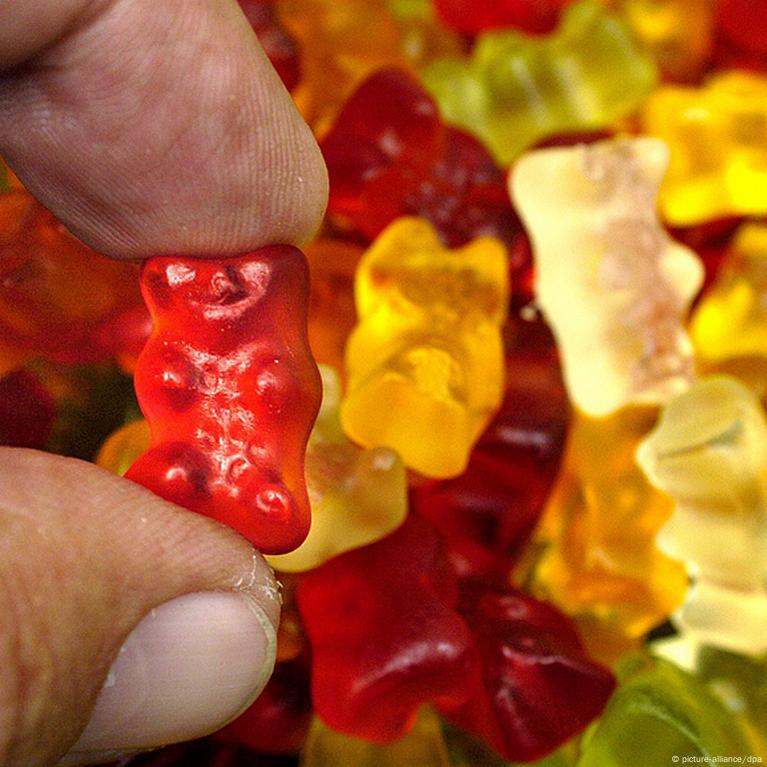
27 410
47 308
487 514
278 45
741 27
384 635
536 688
474 16
278 722
390 155
230 391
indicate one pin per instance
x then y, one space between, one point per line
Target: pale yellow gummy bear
731 319
709 452
357 496
612 284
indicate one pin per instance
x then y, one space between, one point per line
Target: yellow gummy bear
425 363
518 89
600 564
356 496
718 140
123 446
731 319
613 286
709 452
678 34
423 746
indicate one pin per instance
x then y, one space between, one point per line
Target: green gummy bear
659 712
517 89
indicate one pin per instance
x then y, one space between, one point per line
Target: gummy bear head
210 296
709 450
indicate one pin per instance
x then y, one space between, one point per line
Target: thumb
162 620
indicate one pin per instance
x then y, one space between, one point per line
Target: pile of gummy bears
538 478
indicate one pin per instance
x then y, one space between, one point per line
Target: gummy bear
46 307
280 48
467 750
342 43
718 140
356 496
487 514
537 688
742 34
230 391
27 410
384 635
423 746
474 16
731 319
600 563
516 90
124 446
278 722
709 452
739 682
332 316
658 715
678 34
612 284
389 155
425 362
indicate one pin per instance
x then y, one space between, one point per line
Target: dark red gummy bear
384 635
390 155
278 45
474 16
536 688
741 34
27 410
230 391
487 514
278 722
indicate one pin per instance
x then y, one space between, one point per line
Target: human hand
147 128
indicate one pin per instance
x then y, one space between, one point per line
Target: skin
147 127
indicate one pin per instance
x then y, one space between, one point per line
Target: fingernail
189 667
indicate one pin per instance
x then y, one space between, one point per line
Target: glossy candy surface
709 453
487 514
516 90
46 307
612 284
230 391
356 496
277 44
718 146
678 34
536 687
339 49
600 563
475 16
659 712
731 319
389 155
425 362
400 592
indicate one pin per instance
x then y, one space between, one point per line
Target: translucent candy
425 363
709 452
612 284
